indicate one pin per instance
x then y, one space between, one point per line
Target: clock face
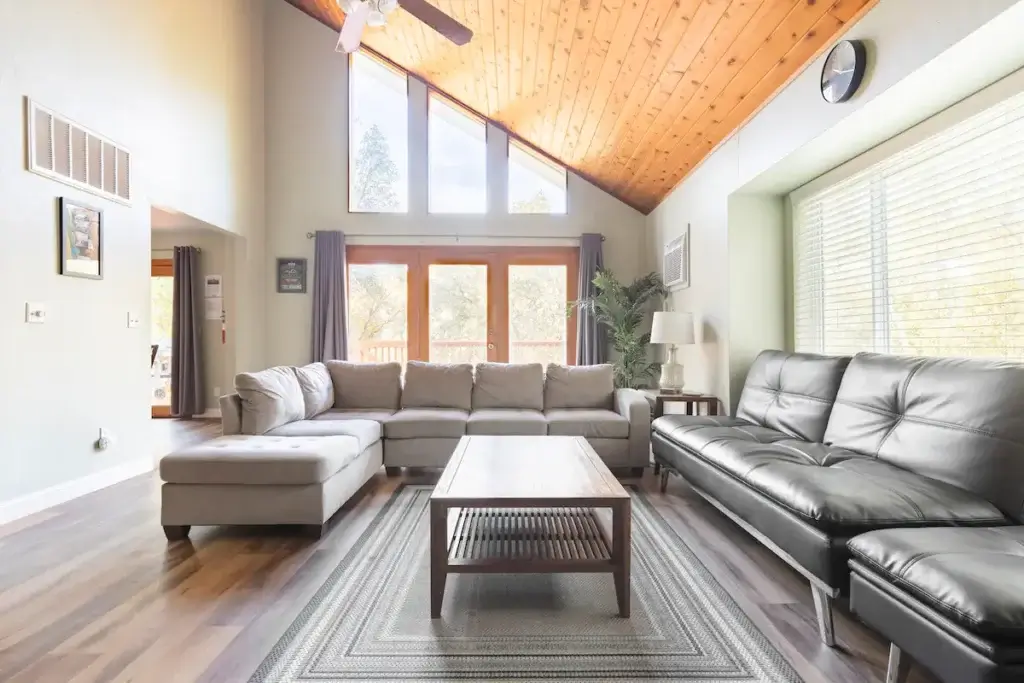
843 71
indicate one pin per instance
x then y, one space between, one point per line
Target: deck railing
383 351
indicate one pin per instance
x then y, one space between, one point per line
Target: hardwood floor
91 590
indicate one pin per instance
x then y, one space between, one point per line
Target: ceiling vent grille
62 150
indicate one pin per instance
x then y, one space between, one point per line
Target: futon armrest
634 406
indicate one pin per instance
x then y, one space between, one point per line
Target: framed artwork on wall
291 275
81 239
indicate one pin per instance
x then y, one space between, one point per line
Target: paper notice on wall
214 286
214 308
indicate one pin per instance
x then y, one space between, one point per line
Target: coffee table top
524 471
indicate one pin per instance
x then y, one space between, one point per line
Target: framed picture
291 276
81 239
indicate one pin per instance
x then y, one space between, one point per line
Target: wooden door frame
161 267
418 259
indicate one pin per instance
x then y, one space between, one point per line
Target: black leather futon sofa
896 481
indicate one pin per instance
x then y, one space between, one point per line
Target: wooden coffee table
528 504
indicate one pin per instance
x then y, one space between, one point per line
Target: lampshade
670 327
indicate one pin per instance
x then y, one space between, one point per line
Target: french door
461 304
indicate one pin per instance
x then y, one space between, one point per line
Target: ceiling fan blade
352 29
437 20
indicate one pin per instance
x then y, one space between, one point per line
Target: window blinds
922 253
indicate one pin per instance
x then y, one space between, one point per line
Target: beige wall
180 85
734 200
307 176
215 258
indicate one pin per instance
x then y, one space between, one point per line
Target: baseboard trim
69 490
208 415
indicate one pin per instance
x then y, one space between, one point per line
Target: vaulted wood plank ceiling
631 94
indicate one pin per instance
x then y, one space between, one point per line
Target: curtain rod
311 235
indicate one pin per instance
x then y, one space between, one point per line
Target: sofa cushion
438 385
501 421
953 419
317 388
694 432
381 416
581 386
418 423
596 423
260 460
361 386
791 393
366 432
843 492
970 576
270 398
509 385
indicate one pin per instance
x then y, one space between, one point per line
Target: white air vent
676 265
64 151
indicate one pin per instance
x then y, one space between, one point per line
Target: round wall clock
843 71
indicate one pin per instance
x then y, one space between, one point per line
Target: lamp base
671 380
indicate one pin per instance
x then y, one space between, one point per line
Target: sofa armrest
634 406
231 414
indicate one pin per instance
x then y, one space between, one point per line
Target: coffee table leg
438 556
621 553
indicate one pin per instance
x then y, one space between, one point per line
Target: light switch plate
134 320
35 313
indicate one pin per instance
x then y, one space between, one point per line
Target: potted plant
622 309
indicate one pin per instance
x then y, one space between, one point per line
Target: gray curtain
187 392
330 306
591 339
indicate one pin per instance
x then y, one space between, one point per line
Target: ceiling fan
360 13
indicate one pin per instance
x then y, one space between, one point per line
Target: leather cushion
974 577
792 392
503 421
509 385
953 419
600 424
260 460
438 385
418 423
697 431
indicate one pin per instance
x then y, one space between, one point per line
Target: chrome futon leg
899 666
823 610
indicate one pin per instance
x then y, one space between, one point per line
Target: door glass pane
537 322
458 313
378 312
162 293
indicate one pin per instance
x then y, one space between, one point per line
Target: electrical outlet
134 320
216 392
35 313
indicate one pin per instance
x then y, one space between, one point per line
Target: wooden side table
693 403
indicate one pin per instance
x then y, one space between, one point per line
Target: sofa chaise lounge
299 442
926 454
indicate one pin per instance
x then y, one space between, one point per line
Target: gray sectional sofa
298 442
865 465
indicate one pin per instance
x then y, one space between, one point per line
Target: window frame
351 139
433 93
540 156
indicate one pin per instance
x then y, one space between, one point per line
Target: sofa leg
823 610
637 472
664 480
899 666
392 471
657 468
314 530
177 532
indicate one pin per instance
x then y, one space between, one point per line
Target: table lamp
673 329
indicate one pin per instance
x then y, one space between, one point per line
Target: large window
378 137
535 185
922 253
457 154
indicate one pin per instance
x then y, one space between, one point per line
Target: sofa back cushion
957 420
438 385
579 386
366 385
792 392
317 388
509 385
270 398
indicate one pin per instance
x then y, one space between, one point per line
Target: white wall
307 176
798 136
176 83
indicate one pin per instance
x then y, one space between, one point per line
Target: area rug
370 621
